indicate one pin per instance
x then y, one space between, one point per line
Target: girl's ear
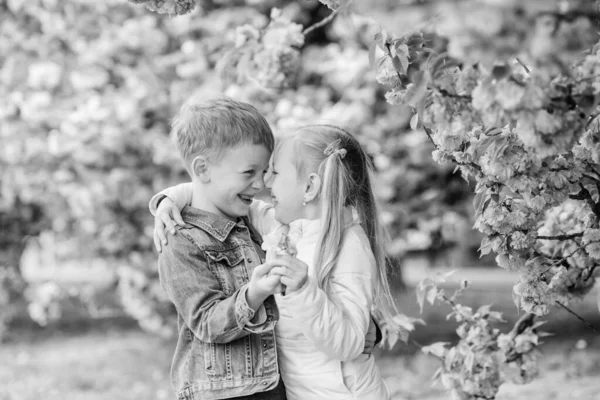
312 188
200 169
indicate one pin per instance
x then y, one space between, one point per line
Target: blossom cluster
484 358
269 57
521 121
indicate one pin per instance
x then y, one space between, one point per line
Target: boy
211 268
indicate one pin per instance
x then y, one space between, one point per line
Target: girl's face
287 189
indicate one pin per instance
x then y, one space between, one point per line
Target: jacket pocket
210 360
228 267
229 257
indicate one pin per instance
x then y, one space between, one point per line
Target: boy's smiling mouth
246 198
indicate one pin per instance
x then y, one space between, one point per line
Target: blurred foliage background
87 91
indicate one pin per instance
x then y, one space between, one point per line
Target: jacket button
249 260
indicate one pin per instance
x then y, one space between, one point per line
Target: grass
118 364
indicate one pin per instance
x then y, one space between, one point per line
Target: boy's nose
259 183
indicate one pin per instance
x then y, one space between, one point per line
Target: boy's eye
250 171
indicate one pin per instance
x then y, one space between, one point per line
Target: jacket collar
215 225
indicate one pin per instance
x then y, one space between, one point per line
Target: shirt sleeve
180 194
337 321
212 315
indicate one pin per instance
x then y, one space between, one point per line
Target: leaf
401 48
406 322
470 361
517 300
416 91
381 38
484 310
442 278
478 202
432 294
401 63
421 290
436 349
502 261
414 122
485 247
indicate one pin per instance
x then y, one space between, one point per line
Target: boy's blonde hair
345 171
210 128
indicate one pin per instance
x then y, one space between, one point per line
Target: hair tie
333 148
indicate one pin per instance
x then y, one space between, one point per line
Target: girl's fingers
279 270
159 234
177 218
169 223
264 269
287 281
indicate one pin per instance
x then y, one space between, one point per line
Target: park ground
115 360
127 364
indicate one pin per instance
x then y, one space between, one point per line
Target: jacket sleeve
180 194
337 321
211 315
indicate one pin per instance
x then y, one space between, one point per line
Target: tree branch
523 65
592 178
577 316
323 22
562 237
446 93
584 194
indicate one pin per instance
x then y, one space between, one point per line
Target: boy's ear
312 188
200 169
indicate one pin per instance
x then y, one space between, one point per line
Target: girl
321 188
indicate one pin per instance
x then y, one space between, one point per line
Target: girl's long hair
345 183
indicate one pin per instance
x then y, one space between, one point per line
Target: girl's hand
293 272
262 284
167 216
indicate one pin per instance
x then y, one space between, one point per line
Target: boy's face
235 179
287 190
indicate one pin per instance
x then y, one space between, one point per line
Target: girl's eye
250 172
273 172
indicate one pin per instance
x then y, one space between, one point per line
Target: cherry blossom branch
323 22
592 178
446 93
592 269
578 316
561 237
523 65
469 164
584 194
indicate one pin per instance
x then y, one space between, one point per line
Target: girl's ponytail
334 189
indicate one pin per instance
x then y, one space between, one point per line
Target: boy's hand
262 284
371 337
293 272
167 216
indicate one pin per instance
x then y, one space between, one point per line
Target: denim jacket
222 351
